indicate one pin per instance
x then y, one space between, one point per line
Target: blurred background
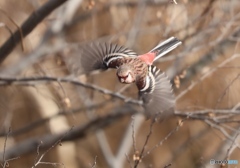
45 123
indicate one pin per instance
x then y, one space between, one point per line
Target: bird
154 87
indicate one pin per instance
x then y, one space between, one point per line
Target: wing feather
97 55
158 98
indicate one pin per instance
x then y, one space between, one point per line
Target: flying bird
155 89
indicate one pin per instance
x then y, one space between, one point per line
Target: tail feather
165 47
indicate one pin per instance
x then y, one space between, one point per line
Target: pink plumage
148 57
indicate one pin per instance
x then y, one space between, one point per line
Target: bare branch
225 90
180 123
137 161
33 20
46 79
35 124
19 29
95 162
4 160
93 125
39 161
126 143
207 75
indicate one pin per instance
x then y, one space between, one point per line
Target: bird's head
126 74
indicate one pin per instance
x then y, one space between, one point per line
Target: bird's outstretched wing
98 55
157 94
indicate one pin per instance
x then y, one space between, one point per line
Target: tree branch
33 20
35 124
30 145
47 79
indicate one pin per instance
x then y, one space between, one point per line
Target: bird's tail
165 47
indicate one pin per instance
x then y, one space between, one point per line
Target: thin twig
94 163
126 142
207 75
168 165
47 79
133 136
33 20
226 89
144 145
38 153
128 160
174 1
5 145
166 138
19 28
39 161
233 145
29 145
222 130
6 161
8 29
36 124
